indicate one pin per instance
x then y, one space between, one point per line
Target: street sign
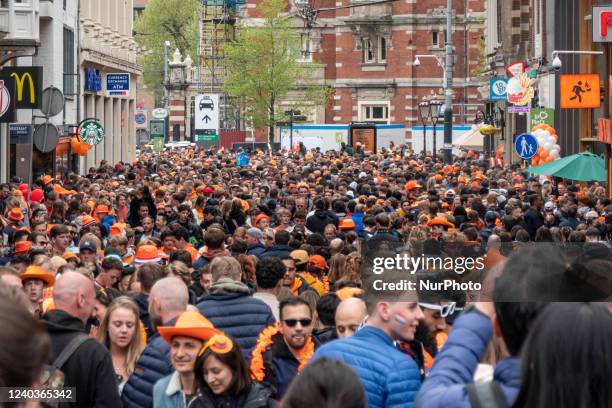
118 84
159 113
579 91
516 69
497 89
46 137
157 128
7 100
540 116
526 146
52 102
91 132
141 119
209 136
28 86
20 133
207 115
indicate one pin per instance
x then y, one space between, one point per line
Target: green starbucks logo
91 132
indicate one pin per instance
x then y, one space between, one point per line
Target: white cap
363 174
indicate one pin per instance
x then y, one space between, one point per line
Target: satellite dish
52 101
46 137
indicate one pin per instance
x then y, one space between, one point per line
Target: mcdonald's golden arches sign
28 86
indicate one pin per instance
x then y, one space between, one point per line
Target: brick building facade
367 52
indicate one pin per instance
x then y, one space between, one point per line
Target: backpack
486 395
53 376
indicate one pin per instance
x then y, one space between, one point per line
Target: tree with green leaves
263 68
165 20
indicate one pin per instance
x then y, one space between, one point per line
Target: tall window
368 52
69 74
382 49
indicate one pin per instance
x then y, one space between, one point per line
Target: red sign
603 130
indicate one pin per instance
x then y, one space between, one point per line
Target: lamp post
424 114
446 66
434 111
166 46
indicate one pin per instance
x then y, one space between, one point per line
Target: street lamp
424 115
556 61
447 111
434 108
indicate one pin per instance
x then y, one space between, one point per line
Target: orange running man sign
579 91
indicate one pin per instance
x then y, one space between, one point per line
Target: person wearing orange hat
313 275
186 338
23 247
35 279
261 221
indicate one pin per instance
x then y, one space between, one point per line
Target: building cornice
97 57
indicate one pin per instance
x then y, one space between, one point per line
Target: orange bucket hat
23 247
15 215
189 324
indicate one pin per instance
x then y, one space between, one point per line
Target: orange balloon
535 160
540 126
552 130
543 154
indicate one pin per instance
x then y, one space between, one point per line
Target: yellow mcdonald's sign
20 81
28 86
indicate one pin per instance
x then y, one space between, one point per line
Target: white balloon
551 139
546 145
554 154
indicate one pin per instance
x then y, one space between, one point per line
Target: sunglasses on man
445 310
294 322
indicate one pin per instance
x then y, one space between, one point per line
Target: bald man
88 367
349 315
168 298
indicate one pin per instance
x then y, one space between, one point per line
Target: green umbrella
583 166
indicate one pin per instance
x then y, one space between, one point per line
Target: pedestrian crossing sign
579 91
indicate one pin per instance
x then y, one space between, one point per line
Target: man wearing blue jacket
390 378
167 300
507 317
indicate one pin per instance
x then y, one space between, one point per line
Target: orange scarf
258 371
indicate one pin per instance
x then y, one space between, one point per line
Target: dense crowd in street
213 278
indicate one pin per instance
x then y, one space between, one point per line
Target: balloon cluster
549 149
78 146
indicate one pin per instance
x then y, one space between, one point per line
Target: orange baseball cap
318 262
23 247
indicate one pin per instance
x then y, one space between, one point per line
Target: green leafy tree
263 67
165 20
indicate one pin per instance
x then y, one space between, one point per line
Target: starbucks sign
91 131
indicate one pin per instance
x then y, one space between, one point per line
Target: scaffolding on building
217 28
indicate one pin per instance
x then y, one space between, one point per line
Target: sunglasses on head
445 310
294 322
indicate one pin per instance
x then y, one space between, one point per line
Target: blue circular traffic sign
140 118
526 146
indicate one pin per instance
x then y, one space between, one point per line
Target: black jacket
258 396
278 251
89 370
317 221
534 220
234 220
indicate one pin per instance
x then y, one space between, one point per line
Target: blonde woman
120 333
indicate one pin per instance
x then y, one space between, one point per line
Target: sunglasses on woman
294 322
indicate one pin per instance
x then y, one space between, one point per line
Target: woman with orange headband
224 379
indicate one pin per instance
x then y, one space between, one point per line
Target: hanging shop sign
579 91
497 89
28 86
602 24
539 116
91 131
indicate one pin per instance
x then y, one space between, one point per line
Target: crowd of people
214 278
